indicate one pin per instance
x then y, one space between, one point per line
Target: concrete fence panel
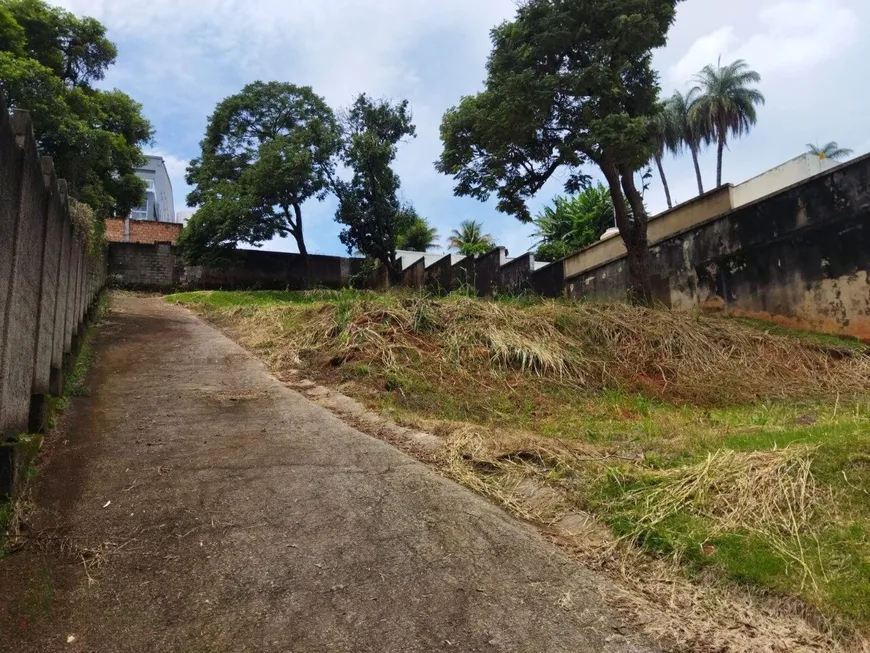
23 302
47 284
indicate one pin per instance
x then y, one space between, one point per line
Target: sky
179 58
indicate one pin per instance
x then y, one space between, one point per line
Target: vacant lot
739 450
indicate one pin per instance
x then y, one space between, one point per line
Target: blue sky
180 57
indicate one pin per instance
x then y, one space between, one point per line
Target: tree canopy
568 83
573 223
469 239
267 150
370 209
49 62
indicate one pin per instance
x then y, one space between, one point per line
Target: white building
159 205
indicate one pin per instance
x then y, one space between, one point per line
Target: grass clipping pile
678 357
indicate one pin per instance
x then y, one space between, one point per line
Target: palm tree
417 237
469 239
666 139
687 130
829 151
727 103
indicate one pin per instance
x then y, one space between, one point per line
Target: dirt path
194 503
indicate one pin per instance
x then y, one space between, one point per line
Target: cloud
793 37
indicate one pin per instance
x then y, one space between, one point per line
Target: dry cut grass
682 357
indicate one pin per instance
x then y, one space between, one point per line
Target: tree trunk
633 232
664 181
719 152
697 169
394 274
296 230
640 290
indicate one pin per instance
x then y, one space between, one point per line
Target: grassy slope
764 487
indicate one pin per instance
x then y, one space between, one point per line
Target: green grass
421 384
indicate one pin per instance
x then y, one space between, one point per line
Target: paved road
193 503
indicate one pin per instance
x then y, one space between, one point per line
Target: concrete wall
487 272
515 275
438 277
782 176
549 281
413 275
160 267
48 283
705 207
142 231
681 217
800 257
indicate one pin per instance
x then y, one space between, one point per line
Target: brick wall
142 231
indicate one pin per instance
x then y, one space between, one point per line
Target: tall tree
829 151
568 82
469 239
667 139
573 223
369 205
50 60
726 105
267 150
687 128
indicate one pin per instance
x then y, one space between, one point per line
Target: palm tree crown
726 106
418 237
829 151
469 239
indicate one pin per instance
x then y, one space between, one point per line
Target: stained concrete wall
515 275
464 274
438 277
487 272
413 276
800 256
160 267
549 281
44 295
683 216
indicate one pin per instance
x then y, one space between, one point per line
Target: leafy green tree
469 239
50 60
726 104
687 128
829 151
369 206
573 223
415 234
267 150
568 83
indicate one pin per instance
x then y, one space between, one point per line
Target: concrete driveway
194 503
